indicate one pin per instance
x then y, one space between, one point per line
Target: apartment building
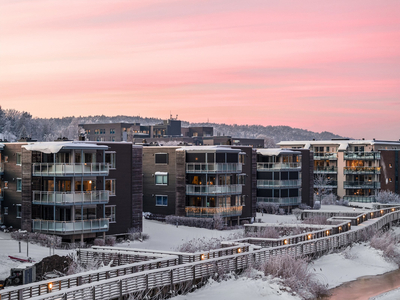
200 181
355 170
71 189
279 177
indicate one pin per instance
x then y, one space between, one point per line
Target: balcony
329 184
1 194
70 198
362 185
362 170
278 183
70 227
55 169
213 168
325 156
1 168
209 212
362 155
363 199
213 190
278 166
325 170
281 201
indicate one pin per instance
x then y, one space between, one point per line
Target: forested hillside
16 124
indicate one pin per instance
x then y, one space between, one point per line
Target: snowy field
333 269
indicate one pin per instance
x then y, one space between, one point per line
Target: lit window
19 184
97 131
161 178
19 209
390 165
390 179
110 186
6 159
110 159
110 213
161 200
6 184
18 158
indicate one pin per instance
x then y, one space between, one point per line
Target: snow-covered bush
77 267
387 197
207 223
218 222
205 244
387 243
317 205
266 233
295 273
99 242
110 240
269 208
297 213
42 239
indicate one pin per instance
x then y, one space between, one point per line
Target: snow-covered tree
322 187
387 197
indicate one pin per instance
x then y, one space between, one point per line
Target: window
19 209
161 200
87 131
6 159
19 184
5 210
6 184
161 158
110 213
390 166
112 130
242 158
18 158
110 159
102 131
161 178
97 131
390 179
110 186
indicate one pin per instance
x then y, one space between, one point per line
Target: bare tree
322 187
387 197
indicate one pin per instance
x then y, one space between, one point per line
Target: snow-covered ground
333 269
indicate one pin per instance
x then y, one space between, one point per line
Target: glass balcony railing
209 212
55 169
70 198
362 170
281 201
373 155
362 185
192 189
278 183
325 156
325 170
213 168
277 166
1 168
71 227
363 199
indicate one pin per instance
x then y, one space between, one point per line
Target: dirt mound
51 263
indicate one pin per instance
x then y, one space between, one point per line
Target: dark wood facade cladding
250 187
150 189
307 176
128 187
12 198
180 183
390 167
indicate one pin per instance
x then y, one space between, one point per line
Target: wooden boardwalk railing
130 279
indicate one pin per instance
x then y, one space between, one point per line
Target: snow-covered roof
55 147
276 151
343 144
208 149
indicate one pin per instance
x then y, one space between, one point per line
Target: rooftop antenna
176 116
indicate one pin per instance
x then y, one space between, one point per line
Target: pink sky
318 65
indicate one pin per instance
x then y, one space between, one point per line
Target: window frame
164 197
113 187
164 178
113 164
18 156
19 211
16 188
161 163
113 212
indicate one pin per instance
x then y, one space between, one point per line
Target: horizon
317 66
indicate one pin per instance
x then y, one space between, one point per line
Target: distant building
73 189
356 170
279 177
200 181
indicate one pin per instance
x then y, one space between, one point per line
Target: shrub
295 273
110 240
266 233
387 243
205 244
99 242
269 208
244 222
207 223
316 220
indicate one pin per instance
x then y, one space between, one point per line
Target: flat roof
343 144
276 151
219 148
55 147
